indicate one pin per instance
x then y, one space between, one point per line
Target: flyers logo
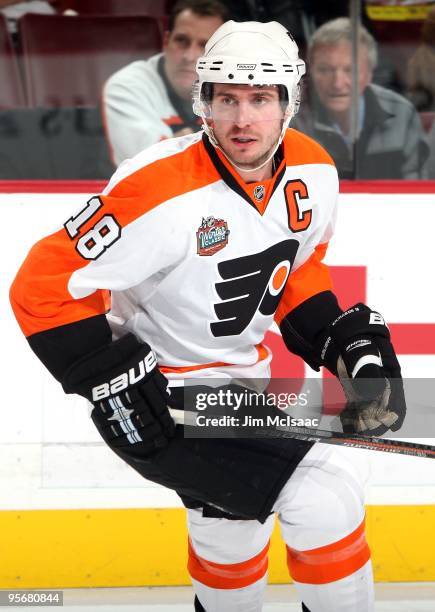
251 283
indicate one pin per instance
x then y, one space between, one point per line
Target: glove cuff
110 369
359 320
303 325
352 332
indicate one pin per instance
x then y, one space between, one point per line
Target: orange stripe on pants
331 562
227 575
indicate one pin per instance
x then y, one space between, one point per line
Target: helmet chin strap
210 133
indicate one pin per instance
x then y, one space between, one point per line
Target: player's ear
166 36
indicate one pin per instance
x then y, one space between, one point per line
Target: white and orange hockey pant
321 515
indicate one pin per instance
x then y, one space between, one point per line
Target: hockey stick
414 449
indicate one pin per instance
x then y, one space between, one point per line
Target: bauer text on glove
129 395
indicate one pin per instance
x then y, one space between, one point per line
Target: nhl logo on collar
259 192
211 236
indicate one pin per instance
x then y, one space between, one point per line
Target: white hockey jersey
197 262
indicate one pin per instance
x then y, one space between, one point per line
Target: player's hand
365 414
129 395
358 350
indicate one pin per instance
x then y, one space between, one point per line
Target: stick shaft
414 449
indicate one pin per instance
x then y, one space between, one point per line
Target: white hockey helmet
249 53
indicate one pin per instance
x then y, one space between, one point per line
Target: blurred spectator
14 9
421 68
390 142
150 100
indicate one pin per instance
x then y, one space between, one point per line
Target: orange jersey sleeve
109 244
310 278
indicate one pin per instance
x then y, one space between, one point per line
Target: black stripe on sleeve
58 348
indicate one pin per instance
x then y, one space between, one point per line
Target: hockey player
202 240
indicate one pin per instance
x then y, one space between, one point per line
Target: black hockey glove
129 394
357 348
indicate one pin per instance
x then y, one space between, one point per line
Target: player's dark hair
203 8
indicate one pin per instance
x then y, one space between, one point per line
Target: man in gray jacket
385 139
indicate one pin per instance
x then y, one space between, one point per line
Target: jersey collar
237 184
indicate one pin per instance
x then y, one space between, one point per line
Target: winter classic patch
211 236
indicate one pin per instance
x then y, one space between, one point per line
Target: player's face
183 46
331 73
246 121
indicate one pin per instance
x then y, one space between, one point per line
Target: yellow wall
88 548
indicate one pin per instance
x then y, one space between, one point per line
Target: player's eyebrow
252 91
225 94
